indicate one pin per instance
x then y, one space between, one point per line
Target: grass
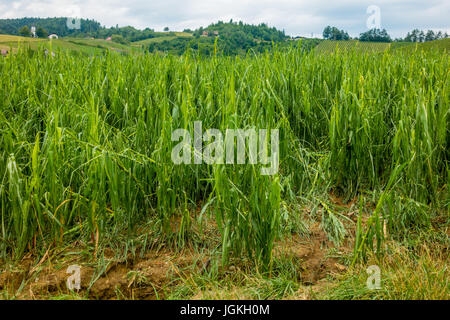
8 38
84 46
104 45
329 46
86 156
443 45
162 38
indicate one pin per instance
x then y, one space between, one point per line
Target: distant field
7 42
103 44
152 40
86 46
443 44
332 46
97 46
161 39
177 33
342 46
7 38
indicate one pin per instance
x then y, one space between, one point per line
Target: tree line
234 37
381 35
22 26
227 38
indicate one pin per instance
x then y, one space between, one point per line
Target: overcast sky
296 17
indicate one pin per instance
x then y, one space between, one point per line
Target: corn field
85 144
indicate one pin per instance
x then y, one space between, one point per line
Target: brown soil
155 273
312 254
140 279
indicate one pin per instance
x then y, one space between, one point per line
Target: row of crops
85 143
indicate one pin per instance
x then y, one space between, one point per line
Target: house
108 39
204 34
53 36
216 33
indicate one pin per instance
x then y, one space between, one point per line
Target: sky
296 17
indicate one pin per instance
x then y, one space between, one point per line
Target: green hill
443 44
51 25
166 36
328 46
85 46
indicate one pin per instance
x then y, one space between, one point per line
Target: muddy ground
150 276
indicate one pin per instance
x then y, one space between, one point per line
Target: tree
41 32
333 33
51 25
119 39
166 29
421 36
430 36
327 32
413 36
25 31
375 35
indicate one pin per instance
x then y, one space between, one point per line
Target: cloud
296 17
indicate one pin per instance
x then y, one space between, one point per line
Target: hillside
443 44
51 25
228 38
84 46
328 46
162 36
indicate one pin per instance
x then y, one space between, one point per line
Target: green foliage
119 39
333 33
86 144
375 35
230 43
129 33
420 36
52 25
24 31
247 32
41 33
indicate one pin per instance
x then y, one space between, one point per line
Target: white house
53 36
